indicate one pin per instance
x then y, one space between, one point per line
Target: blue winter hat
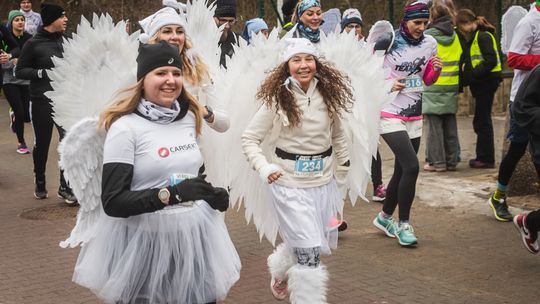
254 25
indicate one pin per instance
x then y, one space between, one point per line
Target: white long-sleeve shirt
206 96
317 132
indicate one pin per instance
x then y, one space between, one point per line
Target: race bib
177 178
309 166
412 84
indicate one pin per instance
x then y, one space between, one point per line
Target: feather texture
205 35
98 61
81 157
508 22
246 71
370 89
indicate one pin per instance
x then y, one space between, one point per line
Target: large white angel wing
246 71
508 22
97 62
368 80
81 157
204 33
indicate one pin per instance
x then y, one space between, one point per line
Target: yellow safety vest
476 54
450 55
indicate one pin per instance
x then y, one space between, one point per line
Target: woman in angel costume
303 190
162 239
166 24
412 61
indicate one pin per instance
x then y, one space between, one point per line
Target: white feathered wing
508 22
99 60
205 35
370 89
246 71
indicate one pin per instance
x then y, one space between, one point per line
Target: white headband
152 23
294 46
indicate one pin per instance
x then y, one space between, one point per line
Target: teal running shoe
388 225
405 235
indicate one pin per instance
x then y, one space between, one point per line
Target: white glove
268 169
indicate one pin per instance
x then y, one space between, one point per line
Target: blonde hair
195 70
128 99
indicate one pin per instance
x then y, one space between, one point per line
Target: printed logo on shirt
414 67
165 152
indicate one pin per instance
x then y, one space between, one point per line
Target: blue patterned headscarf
307 4
306 31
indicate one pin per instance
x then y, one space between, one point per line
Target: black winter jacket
481 73
526 106
37 55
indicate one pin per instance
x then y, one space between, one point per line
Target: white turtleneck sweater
317 132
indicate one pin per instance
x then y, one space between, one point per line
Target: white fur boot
279 263
307 285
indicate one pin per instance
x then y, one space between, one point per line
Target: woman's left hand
437 63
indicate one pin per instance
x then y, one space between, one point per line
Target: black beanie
153 56
225 8
50 12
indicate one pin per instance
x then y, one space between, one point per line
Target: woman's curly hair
333 86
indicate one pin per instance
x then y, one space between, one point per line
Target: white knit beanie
152 23
294 46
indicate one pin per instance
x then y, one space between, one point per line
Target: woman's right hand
398 85
274 177
191 189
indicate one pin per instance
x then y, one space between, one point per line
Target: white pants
304 215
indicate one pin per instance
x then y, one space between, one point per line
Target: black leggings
402 186
43 128
18 97
516 150
376 171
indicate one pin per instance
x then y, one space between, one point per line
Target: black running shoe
40 191
500 209
67 195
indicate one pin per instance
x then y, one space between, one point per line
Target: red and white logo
163 152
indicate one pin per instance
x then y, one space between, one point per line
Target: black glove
191 189
219 200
